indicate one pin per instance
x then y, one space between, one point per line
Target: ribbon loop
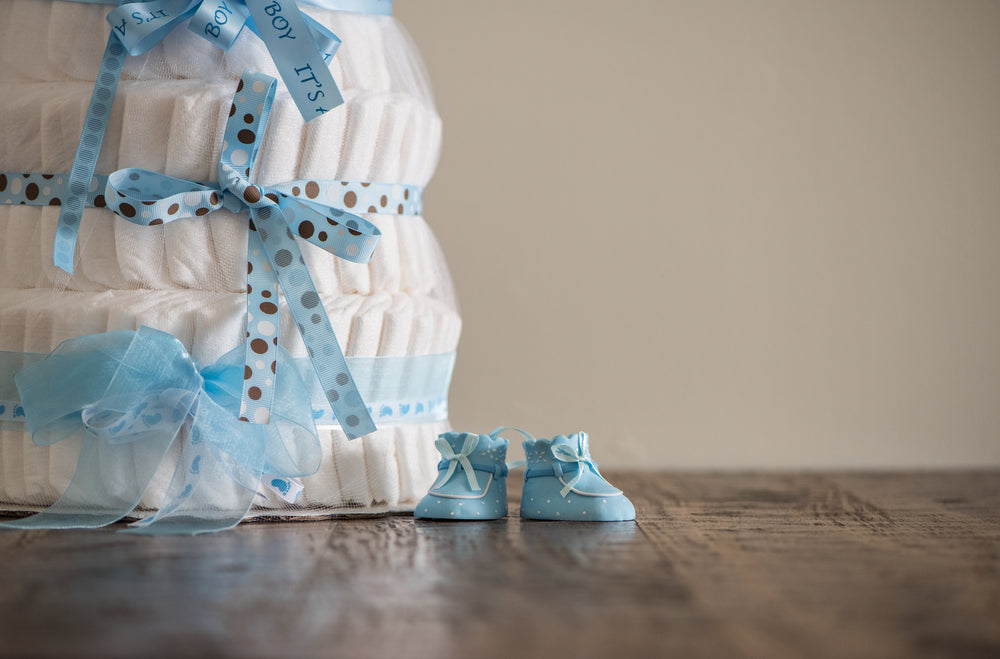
299 46
141 25
302 67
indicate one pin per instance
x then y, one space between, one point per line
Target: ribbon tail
569 486
109 482
301 65
327 43
220 23
85 161
261 351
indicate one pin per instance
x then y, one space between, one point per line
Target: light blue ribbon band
400 390
299 46
128 397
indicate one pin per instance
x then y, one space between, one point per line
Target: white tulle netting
188 277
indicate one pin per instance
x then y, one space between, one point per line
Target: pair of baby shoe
561 481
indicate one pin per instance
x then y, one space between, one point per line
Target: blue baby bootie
472 480
562 483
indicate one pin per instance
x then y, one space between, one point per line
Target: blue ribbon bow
128 396
274 257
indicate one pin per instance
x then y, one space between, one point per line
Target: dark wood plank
833 566
758 565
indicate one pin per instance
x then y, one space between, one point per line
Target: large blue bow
129 396
299 46
274 257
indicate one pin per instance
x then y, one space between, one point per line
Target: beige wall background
724 234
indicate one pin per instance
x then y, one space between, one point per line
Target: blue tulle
130 398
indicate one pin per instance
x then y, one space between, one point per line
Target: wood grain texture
716 565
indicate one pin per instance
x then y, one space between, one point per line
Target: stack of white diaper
188 277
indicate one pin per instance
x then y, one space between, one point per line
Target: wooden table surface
716 565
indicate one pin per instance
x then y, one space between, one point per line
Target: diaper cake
219 298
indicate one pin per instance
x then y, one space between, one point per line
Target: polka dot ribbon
34 189
273 255
299 46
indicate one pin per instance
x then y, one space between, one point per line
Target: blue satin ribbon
127 397
274 257
299 46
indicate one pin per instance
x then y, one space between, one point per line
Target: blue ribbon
128 396
299 46
579 456
404 389
380 7
274 257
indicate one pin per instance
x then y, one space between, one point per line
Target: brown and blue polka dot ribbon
316 210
